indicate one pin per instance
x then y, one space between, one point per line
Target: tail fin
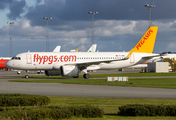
92 48
146 43
57 49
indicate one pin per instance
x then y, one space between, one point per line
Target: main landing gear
26 76
76 76
86 76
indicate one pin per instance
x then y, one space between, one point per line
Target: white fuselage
92 60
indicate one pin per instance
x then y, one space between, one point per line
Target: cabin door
132 58
28 59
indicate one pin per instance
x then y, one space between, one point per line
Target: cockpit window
16 58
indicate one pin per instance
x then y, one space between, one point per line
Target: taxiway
59 89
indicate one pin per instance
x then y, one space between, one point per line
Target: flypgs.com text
53 58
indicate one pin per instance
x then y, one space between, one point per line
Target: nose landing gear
27 76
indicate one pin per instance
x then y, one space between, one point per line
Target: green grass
107 75
114 117
111 105
133 74
136 82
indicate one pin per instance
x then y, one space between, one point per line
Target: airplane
92 48
73 63
57 49
74 50
3 60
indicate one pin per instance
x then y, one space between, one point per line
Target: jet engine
52 72
69 70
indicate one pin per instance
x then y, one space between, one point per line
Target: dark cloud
4 3
38 1
77 10
71 24
16 8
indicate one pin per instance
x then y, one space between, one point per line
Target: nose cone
9 64
12 64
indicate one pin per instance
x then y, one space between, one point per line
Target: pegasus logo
144 38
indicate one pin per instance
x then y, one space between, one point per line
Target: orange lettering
40 58
45 59
137 46
50 59
61 58
142 41
66 58
72 57
55 57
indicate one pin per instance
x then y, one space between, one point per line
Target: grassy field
107 75
136 82
111 105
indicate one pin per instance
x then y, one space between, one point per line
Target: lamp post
47 34
93 13
10 37
149 7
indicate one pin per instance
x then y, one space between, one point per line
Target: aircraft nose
8 64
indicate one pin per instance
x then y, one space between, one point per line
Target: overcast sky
118 26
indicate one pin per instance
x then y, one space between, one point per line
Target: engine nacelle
52 72
69 70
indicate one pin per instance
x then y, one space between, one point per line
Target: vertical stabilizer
57 49
92 48
146 43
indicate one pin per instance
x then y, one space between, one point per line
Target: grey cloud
4 3
77 10
16 8
71 16
38 1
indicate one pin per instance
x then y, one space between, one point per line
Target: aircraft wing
151 56
168 56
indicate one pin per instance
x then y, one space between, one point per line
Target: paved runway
59 89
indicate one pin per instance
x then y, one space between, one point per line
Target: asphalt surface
59 89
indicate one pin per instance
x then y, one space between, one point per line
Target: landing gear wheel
18 72
86 76
76 76
27 76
